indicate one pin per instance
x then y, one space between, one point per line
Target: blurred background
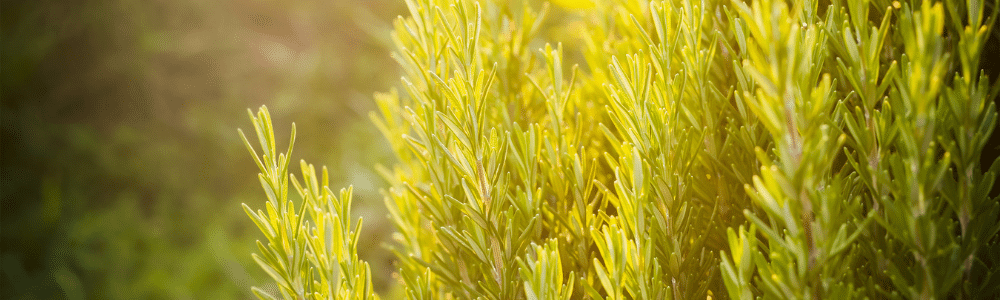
122 172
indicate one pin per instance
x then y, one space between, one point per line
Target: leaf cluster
691 149
311 251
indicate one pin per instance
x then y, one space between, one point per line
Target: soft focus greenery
122 174
675 149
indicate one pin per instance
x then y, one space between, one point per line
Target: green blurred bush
121 171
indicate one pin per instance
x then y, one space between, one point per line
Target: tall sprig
311 251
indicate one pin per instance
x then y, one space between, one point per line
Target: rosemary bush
668 150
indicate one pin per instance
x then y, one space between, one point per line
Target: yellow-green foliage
311 251
687 149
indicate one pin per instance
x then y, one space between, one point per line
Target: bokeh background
122 171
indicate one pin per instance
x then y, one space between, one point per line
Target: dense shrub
668 150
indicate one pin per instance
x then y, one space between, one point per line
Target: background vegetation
122 171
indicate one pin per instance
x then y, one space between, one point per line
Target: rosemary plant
311 251
669 150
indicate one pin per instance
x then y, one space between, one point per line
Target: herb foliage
669 150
